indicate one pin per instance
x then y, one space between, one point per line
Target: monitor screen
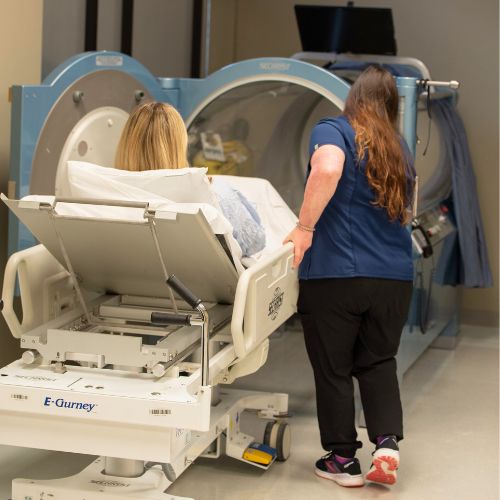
359 30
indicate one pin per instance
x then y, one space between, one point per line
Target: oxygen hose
428 105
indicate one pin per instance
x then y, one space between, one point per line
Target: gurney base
93 484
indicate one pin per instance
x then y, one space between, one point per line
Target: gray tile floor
450 450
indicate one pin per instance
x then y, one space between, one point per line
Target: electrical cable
167 469
428 105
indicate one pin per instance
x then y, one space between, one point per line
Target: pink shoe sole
383 469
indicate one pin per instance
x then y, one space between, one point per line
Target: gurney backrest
121 256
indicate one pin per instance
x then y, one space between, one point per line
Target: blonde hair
154 137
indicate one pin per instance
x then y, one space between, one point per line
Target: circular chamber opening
260 129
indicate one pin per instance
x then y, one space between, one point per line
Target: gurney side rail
33 269
266 297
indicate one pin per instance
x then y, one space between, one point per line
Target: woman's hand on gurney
301 240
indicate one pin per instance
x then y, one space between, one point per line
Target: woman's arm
327 163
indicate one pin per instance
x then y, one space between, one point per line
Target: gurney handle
163 318
177 286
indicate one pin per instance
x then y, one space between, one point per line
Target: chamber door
85 124
94 139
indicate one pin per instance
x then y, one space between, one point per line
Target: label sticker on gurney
53 382
160 412
276 303
20 397
109 484
212 146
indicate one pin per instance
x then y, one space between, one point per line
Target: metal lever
175 284
163 318
452 84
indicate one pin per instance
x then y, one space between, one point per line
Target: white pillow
184 185
184 190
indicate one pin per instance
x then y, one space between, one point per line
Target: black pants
352 327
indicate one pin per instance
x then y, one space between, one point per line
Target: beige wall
63 32
20 60
456 39
162 36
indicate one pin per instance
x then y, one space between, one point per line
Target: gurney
128 329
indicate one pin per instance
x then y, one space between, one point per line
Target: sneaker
385 461
346 474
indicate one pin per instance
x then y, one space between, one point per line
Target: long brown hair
372 110
154 137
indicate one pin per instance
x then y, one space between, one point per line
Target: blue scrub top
354 238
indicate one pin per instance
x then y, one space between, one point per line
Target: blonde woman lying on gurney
155 137
154 405
151 163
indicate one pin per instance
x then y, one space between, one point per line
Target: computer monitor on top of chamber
359 30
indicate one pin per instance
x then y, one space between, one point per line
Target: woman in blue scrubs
356 274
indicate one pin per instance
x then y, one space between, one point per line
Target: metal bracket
74 278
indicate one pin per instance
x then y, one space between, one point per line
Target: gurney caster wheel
278 435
